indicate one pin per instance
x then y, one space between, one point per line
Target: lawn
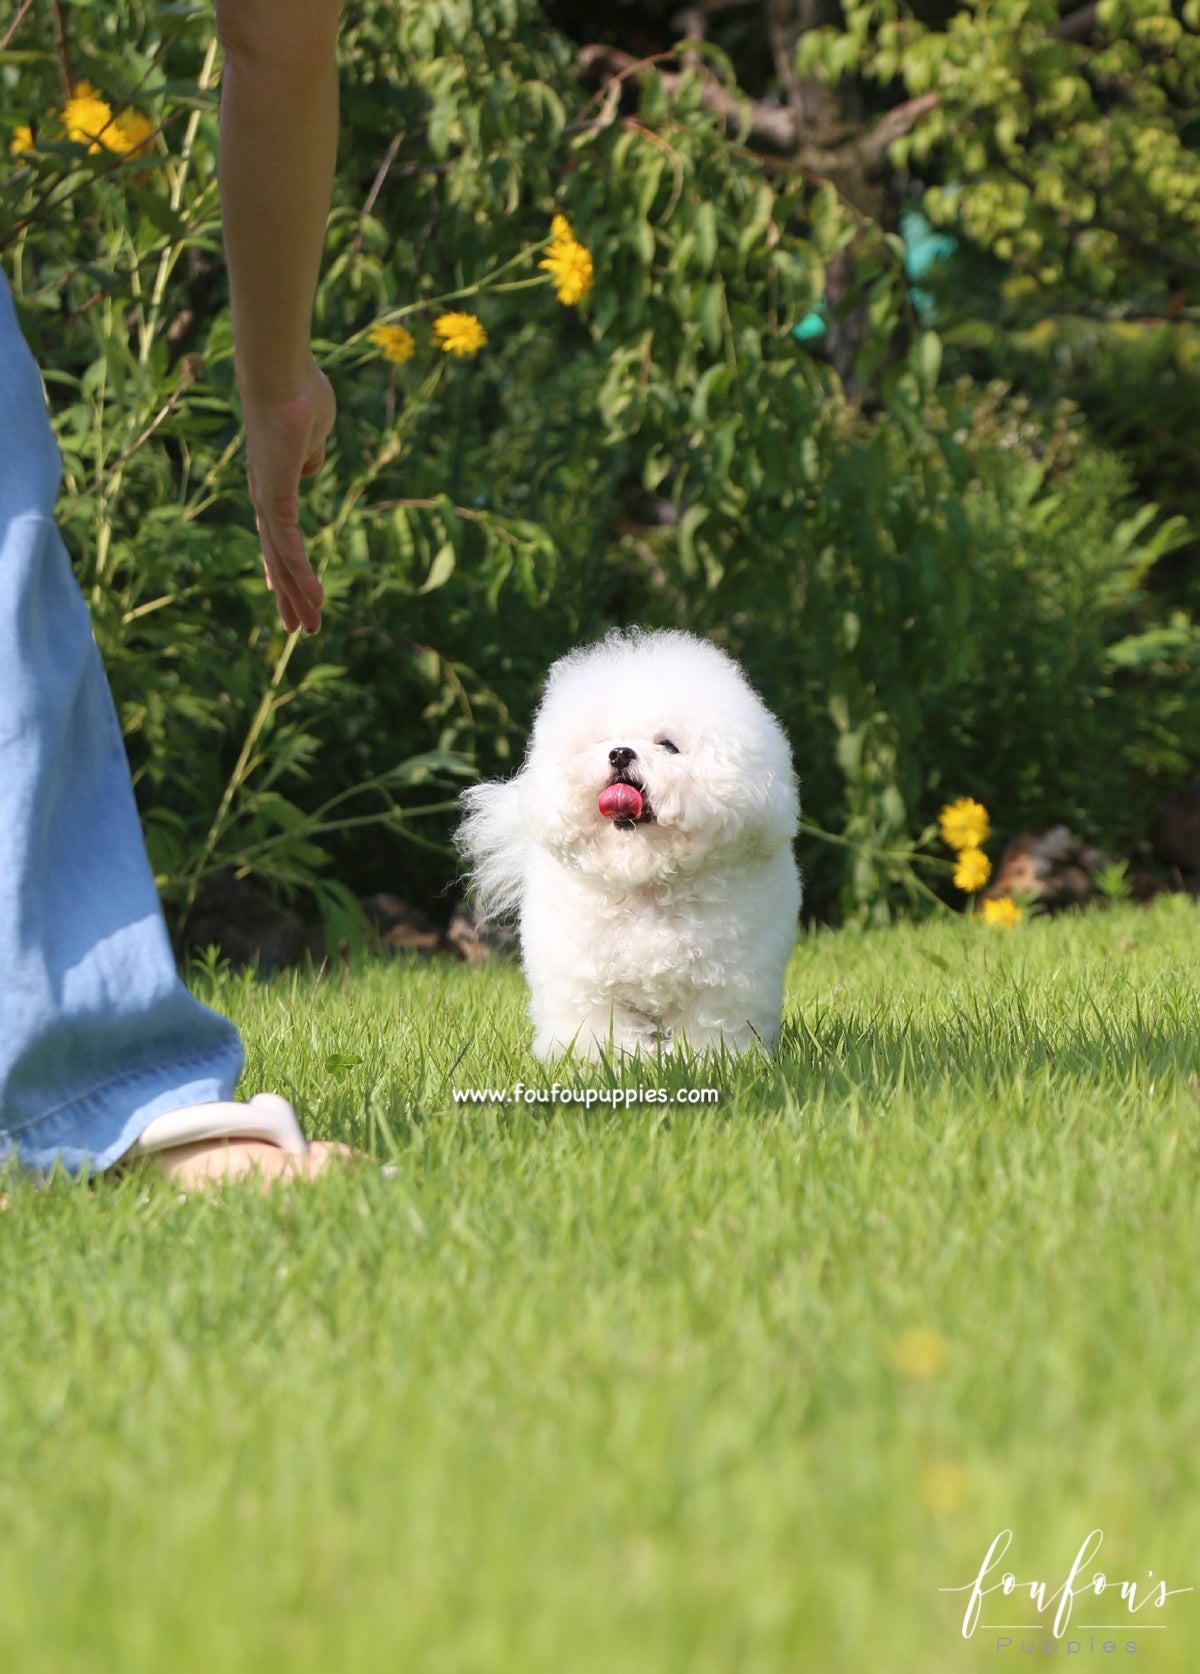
670 1387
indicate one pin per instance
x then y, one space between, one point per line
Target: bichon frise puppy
646 849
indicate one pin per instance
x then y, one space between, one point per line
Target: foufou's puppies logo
1126 1604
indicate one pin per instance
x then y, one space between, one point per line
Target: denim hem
91 1133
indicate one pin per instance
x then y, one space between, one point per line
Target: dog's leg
593 1032
730 1027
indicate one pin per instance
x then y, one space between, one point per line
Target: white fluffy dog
646 848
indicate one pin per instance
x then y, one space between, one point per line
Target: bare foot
210 1162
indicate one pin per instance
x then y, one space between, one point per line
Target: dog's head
651 757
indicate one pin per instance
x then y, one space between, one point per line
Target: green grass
661 1388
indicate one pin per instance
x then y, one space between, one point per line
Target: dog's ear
777 795
780 816
493 841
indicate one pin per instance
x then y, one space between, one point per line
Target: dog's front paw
602 1036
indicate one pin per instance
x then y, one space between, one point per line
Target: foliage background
933 535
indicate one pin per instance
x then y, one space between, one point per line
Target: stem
240 771
197 503
63 49
393 315
103 521
7 37
110 478
171 250
906 857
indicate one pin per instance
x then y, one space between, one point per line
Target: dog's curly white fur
673 927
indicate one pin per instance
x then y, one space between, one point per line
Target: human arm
278 148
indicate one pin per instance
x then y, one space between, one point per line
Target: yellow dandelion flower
570 266
394 342
459 334
920 1354
965 824
87 118
1002 913
22 141
568 262
973 871
132 134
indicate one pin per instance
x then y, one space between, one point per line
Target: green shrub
931 587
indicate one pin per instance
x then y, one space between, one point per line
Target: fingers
289 575
286 442
287 614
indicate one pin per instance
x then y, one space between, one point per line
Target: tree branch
63 46
6 38
767 122
897 122
1160 253
1078 25
773 123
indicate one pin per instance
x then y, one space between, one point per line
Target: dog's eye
665 744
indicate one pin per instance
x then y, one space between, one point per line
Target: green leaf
689 523
751 234
927 360
440 570
650 178
706 236
339 1064
712 313
715 381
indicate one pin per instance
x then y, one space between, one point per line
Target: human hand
285 440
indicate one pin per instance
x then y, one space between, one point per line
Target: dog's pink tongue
620 802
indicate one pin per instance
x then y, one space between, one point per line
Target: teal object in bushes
924 248
812 325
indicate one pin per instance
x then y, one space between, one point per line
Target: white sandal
267 1117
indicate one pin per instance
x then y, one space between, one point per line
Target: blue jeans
97 1032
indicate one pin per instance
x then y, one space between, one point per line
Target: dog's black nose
621 757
